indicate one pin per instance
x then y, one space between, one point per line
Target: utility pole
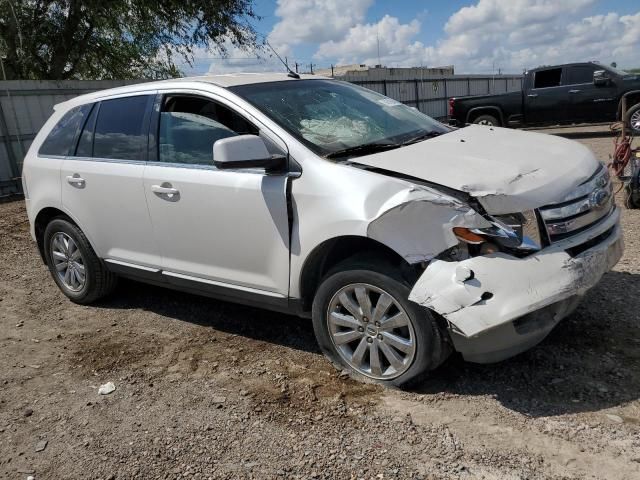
296 67
311 67
331 70
378 40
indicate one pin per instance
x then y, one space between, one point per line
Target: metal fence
431 95
25 106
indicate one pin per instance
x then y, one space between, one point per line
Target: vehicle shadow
589 362
231 318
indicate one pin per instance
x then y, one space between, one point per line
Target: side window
85 142
121 130
189 126
60 140
548 78
580 74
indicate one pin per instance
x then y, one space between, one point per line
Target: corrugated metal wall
26 105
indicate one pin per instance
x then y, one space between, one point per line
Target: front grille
589 203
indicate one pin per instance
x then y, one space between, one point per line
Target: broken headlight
515 231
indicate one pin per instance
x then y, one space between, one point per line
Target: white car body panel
111 208
41 176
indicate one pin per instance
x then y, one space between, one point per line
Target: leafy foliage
109 39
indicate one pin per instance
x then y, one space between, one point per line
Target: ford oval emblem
598 198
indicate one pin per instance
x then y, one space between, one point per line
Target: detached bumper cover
540 290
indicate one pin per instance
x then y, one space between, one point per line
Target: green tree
123 39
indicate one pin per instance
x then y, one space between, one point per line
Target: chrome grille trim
586 205
578 223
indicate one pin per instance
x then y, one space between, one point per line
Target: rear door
102 181
547 100
589 102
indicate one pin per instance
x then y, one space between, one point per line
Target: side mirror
600 78
246 151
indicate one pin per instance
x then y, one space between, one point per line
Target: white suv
402 238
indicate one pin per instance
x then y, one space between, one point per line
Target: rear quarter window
61 138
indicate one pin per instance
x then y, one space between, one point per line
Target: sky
479 36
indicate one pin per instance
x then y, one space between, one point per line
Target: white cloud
504 15
510 35
315 21
506 34
362 41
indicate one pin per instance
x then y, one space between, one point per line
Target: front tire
365 324
73 264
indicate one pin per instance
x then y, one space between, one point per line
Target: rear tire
73 264
396 346
488 120
633 119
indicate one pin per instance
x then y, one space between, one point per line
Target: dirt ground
206 389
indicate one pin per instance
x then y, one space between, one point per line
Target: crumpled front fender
418 223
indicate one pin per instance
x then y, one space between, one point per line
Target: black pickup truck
564 94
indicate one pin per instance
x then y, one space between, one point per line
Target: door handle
533 95
166 191
76 180
574 91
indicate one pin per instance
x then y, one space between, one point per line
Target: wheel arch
633 99
331 252
43 218
475 112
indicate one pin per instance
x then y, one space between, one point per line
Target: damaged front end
503 282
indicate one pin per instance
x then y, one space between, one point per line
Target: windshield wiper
422 136
365 149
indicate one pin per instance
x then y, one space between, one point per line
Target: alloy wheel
68 262
634 121
371 331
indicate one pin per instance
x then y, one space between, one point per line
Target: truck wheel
488 120
633 119
73 264
365 324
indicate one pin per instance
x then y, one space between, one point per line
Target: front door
217 228
102 181
589 102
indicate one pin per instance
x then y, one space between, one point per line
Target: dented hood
506 170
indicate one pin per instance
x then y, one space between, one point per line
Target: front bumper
508 304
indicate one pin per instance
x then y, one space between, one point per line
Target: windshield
332 117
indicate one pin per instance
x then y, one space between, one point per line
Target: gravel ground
207 389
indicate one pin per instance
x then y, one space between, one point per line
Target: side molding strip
132 265
225 285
